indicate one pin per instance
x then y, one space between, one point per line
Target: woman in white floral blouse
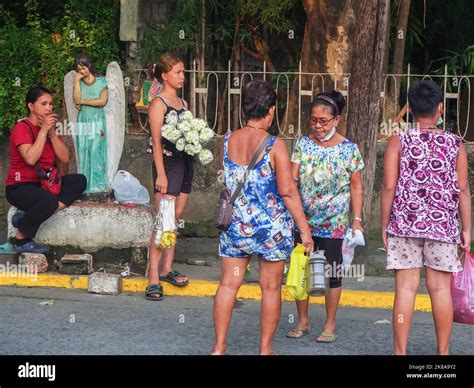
327 167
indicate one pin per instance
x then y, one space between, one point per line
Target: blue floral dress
324 185
261 224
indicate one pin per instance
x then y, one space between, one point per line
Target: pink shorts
411 252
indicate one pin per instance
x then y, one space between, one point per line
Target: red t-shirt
20 171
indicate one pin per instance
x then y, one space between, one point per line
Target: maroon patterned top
427 196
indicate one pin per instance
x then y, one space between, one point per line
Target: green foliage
266 19
459 63
41 49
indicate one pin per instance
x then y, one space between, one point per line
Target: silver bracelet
357 219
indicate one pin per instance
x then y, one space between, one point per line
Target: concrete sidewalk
364 291
371 292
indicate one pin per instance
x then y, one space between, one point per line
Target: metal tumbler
318 282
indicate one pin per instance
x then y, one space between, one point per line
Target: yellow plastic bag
297 277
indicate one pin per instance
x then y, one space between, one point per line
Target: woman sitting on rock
34 145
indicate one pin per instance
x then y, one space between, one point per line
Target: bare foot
271 353
216 351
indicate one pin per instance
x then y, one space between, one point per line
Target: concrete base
112 233
105 283
92 226
76 264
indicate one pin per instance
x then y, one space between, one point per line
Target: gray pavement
367 283
80 323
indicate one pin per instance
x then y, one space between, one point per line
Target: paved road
82 323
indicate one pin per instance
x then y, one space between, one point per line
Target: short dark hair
335 98
258 98
35 93
424 98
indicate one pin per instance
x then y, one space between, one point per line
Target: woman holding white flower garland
173 169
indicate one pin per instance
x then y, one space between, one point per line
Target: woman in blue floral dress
327 167
262 219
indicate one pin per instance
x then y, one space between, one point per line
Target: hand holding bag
297 277
462 291
223 212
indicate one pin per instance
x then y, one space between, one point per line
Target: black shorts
180 173
332 248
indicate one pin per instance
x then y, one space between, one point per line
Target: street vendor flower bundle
189 134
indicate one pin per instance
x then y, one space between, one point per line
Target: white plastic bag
127 189
348 245
165 224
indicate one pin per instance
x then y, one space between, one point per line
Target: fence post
408 87
299 98
229 85
193 88
444 96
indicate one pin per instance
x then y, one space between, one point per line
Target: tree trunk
202 59
392 106
222 125
261 48
327 48
238 66
366 86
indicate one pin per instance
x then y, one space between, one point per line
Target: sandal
7 249
172 277
326 337
297 332
152 290
31 247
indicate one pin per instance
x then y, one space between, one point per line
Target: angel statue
96 109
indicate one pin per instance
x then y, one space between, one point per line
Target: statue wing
114 118
71 109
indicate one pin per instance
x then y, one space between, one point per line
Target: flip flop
297 332
326 337
7 249
172 277
154 289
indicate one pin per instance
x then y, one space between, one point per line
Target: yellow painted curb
44 280
203 288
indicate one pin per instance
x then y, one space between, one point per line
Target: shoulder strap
29 127
182 102
164 101
241 184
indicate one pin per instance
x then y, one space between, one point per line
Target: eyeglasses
323 122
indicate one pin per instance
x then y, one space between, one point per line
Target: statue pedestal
112 233
103 197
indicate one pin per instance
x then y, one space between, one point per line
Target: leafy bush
41 50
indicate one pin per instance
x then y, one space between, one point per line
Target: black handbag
223 212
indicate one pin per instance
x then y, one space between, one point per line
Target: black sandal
172 277
152 290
